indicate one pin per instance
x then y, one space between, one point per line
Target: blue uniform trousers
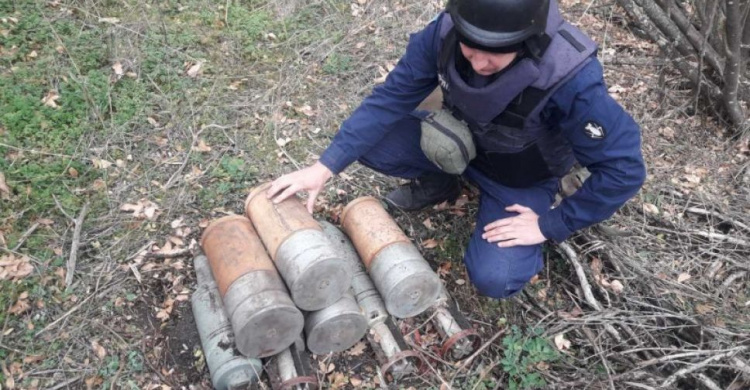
496 272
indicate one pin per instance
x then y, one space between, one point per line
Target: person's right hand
311 179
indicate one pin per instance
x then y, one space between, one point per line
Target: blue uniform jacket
615 161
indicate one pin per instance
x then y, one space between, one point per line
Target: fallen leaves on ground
326 368
117 68
338 380
445 268
430 243
193 69
51 98
357 349
99 351
101 163
21 305
561 342
13 267
596 269
144 209
4 189
166 310
202 146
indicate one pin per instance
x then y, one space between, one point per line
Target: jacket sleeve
413 78
606 140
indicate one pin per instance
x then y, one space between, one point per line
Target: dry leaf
4 189
93 382
445 268
561 342
617 287
14 268
50 99
195 69
100 164
326 369
683 277
356 382
176 223
338 380
99 351
109 20
357 349
31 359
429 243
202 147
460 282
428 224
21 305
73 172
117 68
144 209
650 208
305 110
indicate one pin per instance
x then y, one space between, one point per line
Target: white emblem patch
594 130
444 84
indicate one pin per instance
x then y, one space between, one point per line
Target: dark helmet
499 23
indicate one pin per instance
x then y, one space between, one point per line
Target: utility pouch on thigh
447 142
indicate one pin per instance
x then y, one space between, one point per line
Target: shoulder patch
594 130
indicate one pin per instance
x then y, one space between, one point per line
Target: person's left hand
523 229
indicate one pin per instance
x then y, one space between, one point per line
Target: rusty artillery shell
336 328
264 318
228 368
315 274
402 276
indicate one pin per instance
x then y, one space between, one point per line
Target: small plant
337 63
523 355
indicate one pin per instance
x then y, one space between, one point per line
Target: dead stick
169 255
66 383
695 367
708 382
26 235
586 287
482 348
722 237
700 211
71 266
62 317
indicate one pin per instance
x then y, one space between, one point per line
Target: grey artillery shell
336 328
364 290
229 369
316 276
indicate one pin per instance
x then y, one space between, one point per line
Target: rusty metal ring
448 344
385 368
290 383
